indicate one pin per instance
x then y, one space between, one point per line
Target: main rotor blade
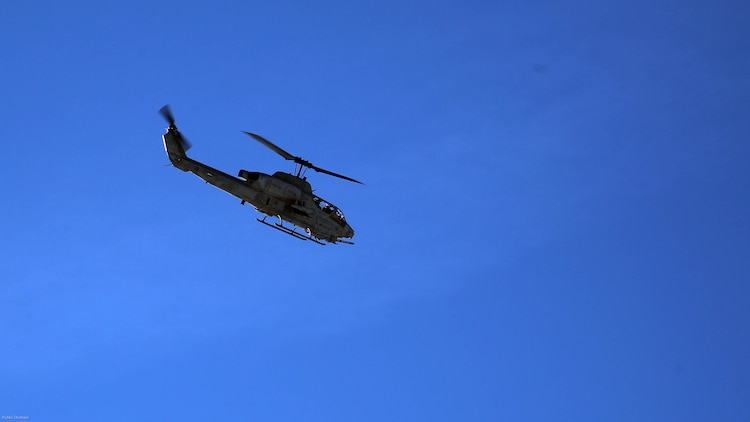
298 160
273 147
328 172
166 112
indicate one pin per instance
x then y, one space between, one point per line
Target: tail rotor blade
186 145
166 112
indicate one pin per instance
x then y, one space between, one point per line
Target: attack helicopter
286 196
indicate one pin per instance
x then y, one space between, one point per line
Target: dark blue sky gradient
553 226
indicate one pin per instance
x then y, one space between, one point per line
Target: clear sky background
553 226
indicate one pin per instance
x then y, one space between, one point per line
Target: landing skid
291 232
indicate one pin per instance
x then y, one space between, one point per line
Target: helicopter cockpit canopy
333 211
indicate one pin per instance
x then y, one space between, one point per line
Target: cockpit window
333 211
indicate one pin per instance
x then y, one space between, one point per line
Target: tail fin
175 145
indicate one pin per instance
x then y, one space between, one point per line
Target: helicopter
286 196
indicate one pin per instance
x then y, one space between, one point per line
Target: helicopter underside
316 222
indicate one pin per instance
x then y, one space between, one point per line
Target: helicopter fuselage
283 195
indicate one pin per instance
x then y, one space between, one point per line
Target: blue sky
553 226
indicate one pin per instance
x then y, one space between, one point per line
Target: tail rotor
166 113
